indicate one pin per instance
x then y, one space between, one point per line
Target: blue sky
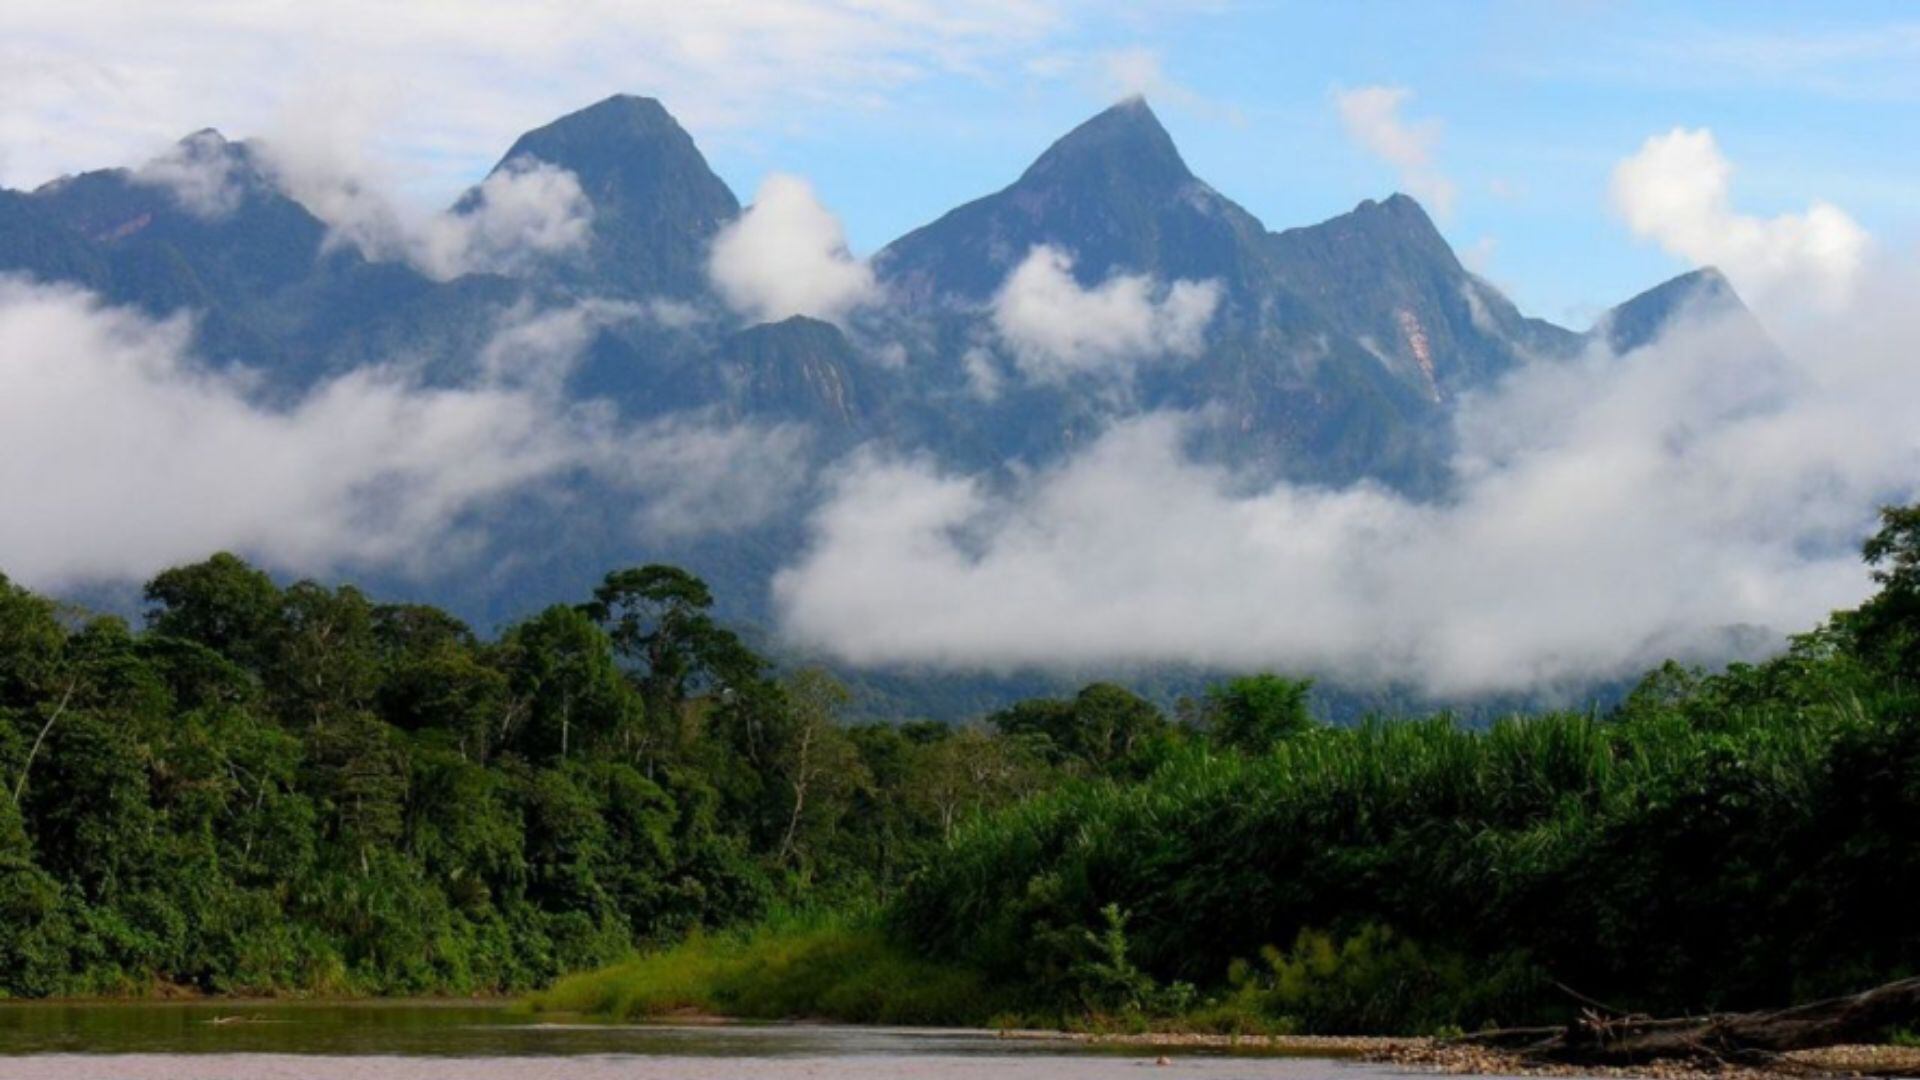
899 111
1535 103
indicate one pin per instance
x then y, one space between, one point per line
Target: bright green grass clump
796 966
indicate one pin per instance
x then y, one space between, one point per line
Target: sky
1505 118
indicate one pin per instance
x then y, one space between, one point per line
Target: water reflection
412 1041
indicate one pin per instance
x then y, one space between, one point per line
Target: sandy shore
1439 1057
1832 1061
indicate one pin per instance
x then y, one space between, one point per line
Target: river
414 1041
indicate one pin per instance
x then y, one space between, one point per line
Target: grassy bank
832 967
836 967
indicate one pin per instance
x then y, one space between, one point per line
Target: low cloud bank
1610 512
121 454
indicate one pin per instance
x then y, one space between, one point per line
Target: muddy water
465 1042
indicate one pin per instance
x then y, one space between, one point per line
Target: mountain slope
656 203
1699 294
1335 352
1114 192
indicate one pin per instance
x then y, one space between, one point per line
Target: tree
1102 727
568 692
658 619
359 770
816 760
968 772
1887 627
324 661
222 603
1113 723
1255 713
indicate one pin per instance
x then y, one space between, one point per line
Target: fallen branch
1756 1038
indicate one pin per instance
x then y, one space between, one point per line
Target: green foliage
1255 713
1102 979
791 966
1720 841
1373 980
276 790
1105 728
1887 627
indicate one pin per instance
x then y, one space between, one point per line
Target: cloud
201 172
787 255
1609 512
1676 191
1141 72
983 376
93 82
1057 329
121 454
1371 116
701 475
524 212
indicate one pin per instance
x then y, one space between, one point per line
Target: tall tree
222 603
1255 713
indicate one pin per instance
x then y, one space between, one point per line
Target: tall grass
808 965
1679 855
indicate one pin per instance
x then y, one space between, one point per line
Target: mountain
1383 275
656 203
206 228
1114 191
1333 353
797 369
1699 294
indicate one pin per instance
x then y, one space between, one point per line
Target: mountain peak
1704 292
1398 212
592 139
1391 231
1125 139
656 203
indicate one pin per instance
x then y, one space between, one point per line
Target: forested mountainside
1326 355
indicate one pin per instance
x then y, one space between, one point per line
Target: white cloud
983 375
1057 329
98 82
1141 72
1611 512
120 454
701 475
1676 191
1371 116
787 255
201 173
526 211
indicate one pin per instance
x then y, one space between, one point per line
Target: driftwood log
1602 1037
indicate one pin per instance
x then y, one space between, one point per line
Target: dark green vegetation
301 790
1736 840
297 789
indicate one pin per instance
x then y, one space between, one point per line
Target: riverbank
1832 1061
214 1024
